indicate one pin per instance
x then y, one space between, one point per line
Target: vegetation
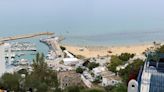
119 88
92 65
82 89
126 56
131 69
46 78
115 61
41 79
93 90
10 81
63 48
79 70
161 49
73 89
97 79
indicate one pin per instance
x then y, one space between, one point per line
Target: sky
24 16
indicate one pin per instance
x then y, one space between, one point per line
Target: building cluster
67 64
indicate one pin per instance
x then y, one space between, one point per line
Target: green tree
92 65
133 67
73 89
115 61
125 56
63 48
10 81
79 70
161 49
97 79
119 88
42 77
94 90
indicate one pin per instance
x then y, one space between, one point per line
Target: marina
19 52
23 46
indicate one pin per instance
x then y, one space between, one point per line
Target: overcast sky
81 11
81 7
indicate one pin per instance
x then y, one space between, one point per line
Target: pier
25 36
53 44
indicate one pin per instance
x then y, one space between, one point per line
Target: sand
94 51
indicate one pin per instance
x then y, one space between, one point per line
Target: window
133 86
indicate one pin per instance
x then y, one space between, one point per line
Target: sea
85 22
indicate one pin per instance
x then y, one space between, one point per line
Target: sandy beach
93 51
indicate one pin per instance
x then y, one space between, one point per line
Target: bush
119 88
131 69
63 48
92 65
126 56
10 81
93 90
161 49
115 61
97 79
79 70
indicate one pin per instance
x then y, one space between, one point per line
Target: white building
98 70
88 76
110 79
70 61
2 60
101 60
86 81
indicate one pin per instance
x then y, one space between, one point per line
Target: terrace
151 77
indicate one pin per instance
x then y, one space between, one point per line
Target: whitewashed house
98 70
110 79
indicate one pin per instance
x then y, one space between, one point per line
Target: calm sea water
30 55
93 35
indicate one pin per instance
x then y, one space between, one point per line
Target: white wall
2 60
107 82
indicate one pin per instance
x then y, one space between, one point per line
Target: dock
25 36
53 44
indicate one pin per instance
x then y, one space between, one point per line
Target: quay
53 44
25 36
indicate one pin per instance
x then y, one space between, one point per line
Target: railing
139 78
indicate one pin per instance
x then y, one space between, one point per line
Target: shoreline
111 45
94 51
